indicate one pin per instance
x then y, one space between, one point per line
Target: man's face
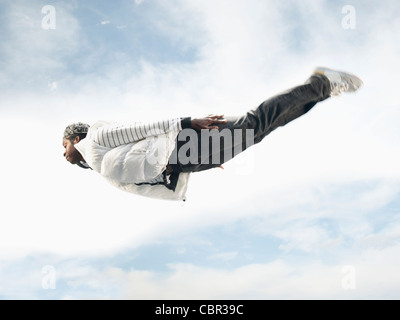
71 154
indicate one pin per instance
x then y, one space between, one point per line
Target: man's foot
340 81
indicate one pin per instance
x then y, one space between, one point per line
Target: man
156 159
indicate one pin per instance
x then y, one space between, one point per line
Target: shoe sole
322 71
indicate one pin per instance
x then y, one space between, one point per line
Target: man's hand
207 123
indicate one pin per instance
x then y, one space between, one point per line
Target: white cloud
306 238
375 277
226 256
33 52
52 86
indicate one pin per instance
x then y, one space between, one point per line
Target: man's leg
285 107
271 114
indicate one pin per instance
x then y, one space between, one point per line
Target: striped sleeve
114 136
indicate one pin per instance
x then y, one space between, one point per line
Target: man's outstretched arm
117 135
114 136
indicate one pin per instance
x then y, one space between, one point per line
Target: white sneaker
340 81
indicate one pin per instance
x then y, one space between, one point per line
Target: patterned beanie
75 129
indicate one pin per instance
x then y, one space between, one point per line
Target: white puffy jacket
130 155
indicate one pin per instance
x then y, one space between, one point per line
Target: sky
312 212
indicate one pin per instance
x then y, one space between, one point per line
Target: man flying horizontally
156 159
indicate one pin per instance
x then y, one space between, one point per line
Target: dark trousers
255 125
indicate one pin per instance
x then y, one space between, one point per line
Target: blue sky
284 220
